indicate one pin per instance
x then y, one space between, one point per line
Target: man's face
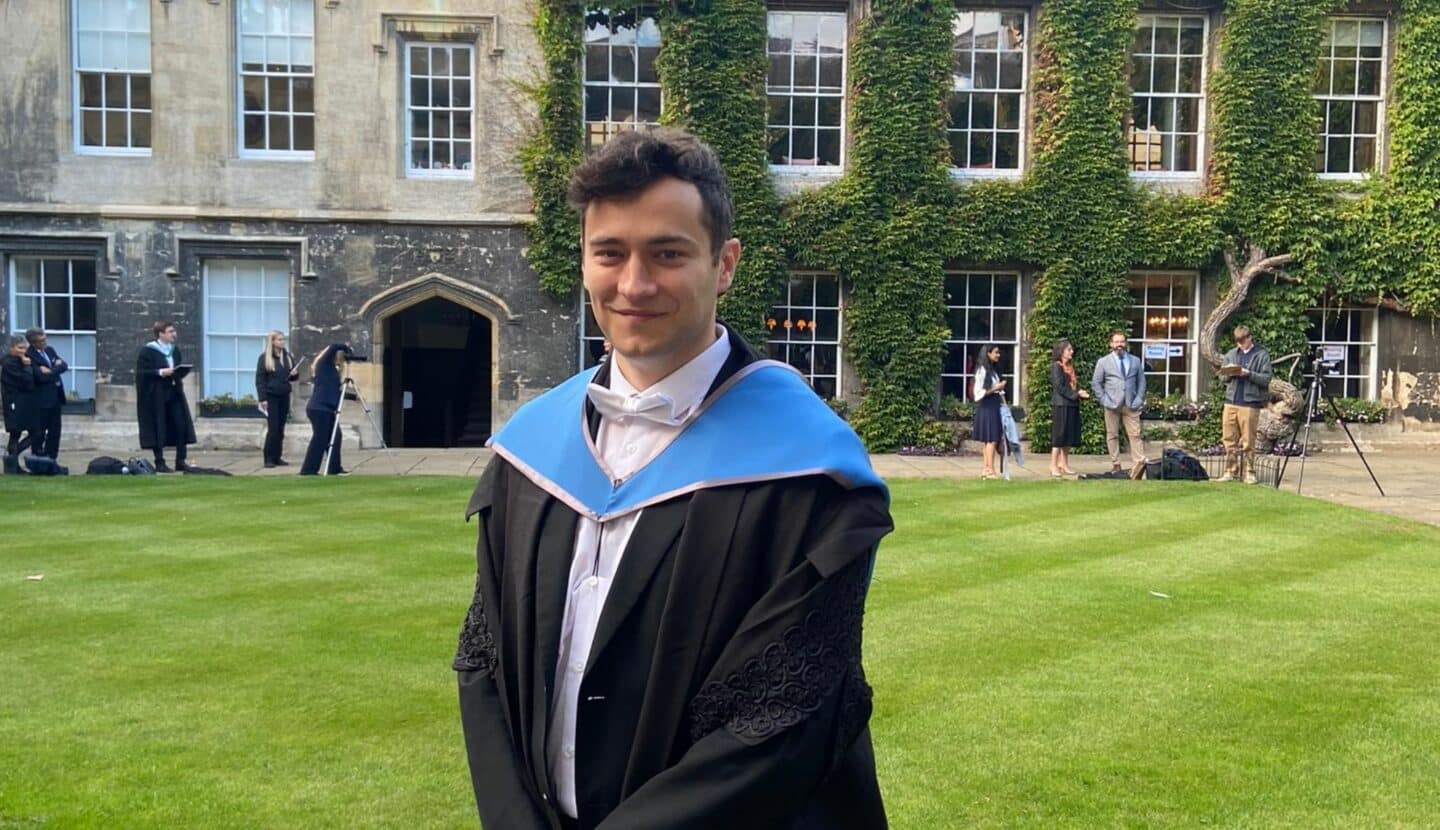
39 341
168 335
652 280
18 349
1117 343
1243 340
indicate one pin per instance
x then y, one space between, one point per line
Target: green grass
275 653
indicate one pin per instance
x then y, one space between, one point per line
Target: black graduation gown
17 392
724 687
160 405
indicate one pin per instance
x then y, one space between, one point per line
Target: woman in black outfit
321 410
1065 398
989 394
17 391
275 371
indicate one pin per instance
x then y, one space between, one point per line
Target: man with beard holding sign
674 552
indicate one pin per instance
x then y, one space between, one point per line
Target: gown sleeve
786 705
497 774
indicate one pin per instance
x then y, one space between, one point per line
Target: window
805 86
112 76
981 308
440 106
244 301
1350 86
592 339
1167 79
58 295
1164 318
1352 332
805 330
622 91
987 91
277 78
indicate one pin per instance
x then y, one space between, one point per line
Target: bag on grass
105 465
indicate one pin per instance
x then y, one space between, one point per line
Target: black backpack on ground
1177 465
108 465
39 465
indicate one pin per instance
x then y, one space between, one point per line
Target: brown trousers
1131 419
1237 430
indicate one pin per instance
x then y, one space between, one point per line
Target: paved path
1410 477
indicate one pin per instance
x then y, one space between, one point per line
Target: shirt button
592 582
577 667
569 752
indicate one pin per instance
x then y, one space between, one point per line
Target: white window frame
1202 97
824 171
206 387
1148 312
587 336
1378 100
241 74
77 96
774 321
1368 385
979 172
610 127
412 172
971 346
71 333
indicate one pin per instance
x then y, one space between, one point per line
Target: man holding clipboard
160 406
1247 376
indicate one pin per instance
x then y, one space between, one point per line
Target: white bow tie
649 406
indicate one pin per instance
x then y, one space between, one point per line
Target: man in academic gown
160 405
48 367
674 552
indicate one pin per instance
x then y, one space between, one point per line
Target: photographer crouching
323 408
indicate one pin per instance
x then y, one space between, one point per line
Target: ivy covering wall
895 221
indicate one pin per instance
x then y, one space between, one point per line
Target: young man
1246 393
160 405
49 393
674 552
1119 385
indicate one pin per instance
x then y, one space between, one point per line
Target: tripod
349 390
1312 402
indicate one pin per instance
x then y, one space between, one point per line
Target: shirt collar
687 385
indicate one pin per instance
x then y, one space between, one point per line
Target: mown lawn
275 653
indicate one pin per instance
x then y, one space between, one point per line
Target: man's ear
729 258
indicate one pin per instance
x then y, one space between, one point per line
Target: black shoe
12 466
270 464
280 462
162 467
184 467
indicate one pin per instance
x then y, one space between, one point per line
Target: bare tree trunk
1286 402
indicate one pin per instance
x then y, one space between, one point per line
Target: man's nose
635 278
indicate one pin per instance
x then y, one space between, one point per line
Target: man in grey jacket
1119 386
1247 390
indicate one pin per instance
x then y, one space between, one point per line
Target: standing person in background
1065 398
160 405
274 374
322 409
1119 385
1247 391
49 394
989 394
17 392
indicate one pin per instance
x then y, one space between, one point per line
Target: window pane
57 313
303 94
90 85
116 94
279 132
84 314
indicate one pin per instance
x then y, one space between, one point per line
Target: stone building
347 170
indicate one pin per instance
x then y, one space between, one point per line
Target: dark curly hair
632 161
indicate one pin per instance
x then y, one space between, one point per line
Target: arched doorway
437 368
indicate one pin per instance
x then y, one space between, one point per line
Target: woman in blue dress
989 393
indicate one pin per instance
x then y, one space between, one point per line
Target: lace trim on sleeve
476 651
791 678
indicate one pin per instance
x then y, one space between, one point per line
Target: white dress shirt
626 444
